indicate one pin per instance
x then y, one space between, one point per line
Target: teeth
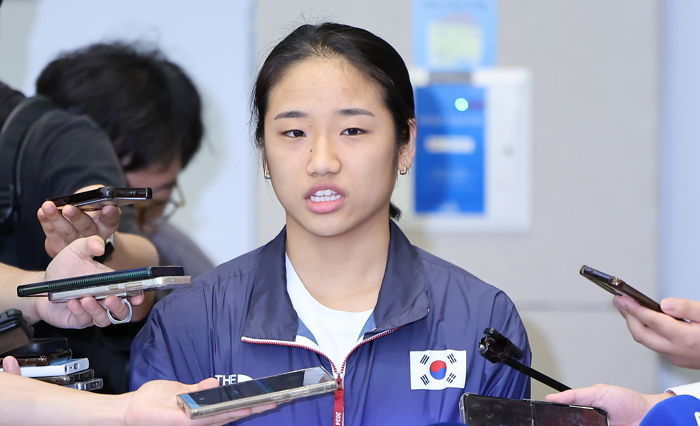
323 195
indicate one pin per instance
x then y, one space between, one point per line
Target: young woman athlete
340 286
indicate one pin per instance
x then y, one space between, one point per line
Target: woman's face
330 147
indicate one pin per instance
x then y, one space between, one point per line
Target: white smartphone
129 288
64 367
272 389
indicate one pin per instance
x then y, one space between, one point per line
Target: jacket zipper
339 394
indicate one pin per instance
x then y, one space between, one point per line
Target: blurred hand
61 227
155 403
10 365
624 406
75 260
678 341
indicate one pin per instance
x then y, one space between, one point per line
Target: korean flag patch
436 370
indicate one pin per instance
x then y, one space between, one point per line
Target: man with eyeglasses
174 247
151 112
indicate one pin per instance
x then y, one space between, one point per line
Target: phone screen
274 389
256 387
479 410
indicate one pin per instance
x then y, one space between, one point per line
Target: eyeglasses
155 213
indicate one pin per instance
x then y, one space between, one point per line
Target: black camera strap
12 136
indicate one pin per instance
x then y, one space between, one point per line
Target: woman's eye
353 131
294 133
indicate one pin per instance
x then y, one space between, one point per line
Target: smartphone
272 389
87 385
618 287
15 332
44 359
67 379
130 288
479 410
99 279
95 199
61 368
39 346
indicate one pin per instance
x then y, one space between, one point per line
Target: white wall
211 40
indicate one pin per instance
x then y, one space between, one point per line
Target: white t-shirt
335 332
692 389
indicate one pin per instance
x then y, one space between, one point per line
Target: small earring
266 173
403 170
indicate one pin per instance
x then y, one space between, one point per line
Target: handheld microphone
497 348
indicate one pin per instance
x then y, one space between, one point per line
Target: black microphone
496 348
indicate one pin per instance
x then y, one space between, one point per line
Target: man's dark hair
147 105
370 54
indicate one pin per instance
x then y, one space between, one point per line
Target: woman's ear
407 152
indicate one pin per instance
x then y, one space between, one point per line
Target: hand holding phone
61 227
674 334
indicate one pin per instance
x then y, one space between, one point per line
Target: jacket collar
402 298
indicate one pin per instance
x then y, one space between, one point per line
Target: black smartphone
14 330
125 289
106 278
479 410
42 359
95 199
39 346
67 379
272 389
618 287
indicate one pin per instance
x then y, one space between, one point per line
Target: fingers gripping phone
618 287
272 389
106 196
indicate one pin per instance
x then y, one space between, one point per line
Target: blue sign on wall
454 35
449 170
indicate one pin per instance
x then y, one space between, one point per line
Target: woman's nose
323 158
